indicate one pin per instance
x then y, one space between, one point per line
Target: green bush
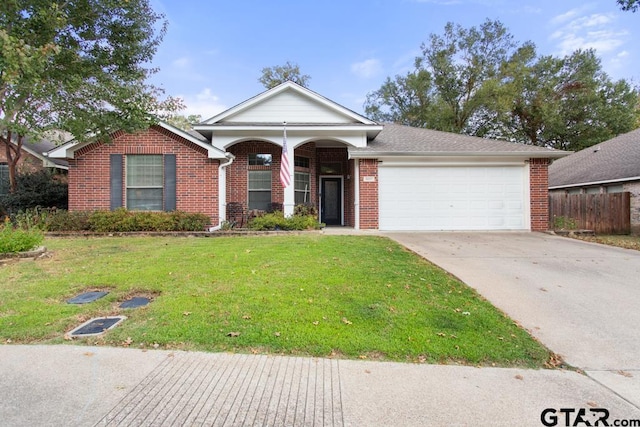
122 220
13 239
62 220
43 188
277 221
118 221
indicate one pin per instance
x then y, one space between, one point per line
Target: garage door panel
452 198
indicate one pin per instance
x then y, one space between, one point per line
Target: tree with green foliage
79 66
278 74
183 122
479 82
453 83
631 5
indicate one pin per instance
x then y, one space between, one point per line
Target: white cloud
182 63
366 69
577 30
204 103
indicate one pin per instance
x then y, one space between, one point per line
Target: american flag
285 177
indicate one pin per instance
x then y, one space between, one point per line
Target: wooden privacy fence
602 213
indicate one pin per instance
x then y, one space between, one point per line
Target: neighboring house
612 166
358 173
32 159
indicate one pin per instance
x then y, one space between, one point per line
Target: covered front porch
320 174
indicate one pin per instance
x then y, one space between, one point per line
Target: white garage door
452 198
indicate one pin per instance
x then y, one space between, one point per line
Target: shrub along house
358 173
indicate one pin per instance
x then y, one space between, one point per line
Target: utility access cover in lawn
96 326
135 302
87 297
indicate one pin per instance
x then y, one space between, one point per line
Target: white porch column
289 191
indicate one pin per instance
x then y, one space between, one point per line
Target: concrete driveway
582 300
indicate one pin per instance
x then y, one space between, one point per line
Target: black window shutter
115 172
170 182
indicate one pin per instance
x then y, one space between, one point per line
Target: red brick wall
196 180
539 188
369 194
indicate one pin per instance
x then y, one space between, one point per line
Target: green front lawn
343 296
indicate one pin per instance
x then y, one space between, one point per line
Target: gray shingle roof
42 146
398 140
615 159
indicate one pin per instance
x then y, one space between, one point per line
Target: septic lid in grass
87 297
135 302
96 326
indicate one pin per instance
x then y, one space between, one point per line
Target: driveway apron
582 300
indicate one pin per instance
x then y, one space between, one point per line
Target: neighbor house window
4 179
145 180
259 189
302 183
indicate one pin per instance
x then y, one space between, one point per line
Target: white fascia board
587 184
212 152
65 151
438 161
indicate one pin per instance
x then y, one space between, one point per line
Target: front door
331 201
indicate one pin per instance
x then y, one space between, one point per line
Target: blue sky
214 51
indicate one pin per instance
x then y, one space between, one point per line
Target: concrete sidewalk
83 386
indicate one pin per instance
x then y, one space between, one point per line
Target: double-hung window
145 180
259 187
302 180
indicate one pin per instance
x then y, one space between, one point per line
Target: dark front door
331 202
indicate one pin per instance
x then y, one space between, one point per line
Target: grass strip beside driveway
342 296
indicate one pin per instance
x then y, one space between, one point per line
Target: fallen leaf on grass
186 313
233 334
345 321
246 317
277 334
316 323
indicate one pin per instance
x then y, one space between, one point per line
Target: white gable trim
67 150
289 85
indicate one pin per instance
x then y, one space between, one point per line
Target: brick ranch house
358 173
